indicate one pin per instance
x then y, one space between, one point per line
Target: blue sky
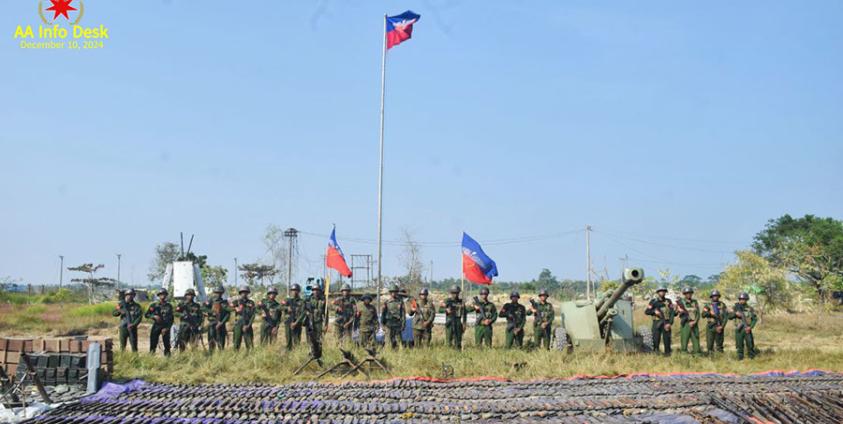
675 130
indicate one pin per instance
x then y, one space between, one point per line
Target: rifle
683 312
715 312
449 310
506 313
744 324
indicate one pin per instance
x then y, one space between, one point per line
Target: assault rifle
742 315
684 315
450 310
718 319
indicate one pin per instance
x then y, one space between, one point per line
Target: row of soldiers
715 313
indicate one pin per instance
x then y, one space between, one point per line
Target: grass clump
96 310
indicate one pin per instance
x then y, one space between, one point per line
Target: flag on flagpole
399 28
476 265
334 258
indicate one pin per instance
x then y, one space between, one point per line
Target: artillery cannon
604 324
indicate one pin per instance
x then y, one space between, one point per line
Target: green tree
214 276
753 274
811 248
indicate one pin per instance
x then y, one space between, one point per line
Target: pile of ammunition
708 398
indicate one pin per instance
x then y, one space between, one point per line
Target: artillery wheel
562 340
646 338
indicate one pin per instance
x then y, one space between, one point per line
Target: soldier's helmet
189 292
743 296
316 287
687 290
424 292
484 290
219 290
514 294
295 287
543 292
714 293
661 289
162 291
393 288
454 289
345 287
272 290
366 297
130 291
244 289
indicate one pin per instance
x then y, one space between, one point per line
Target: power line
491 242
673 246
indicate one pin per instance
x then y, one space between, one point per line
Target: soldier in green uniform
190 320
661 309
486 314
543 322
455 318
689 320
272 313
161 314
392 317
345 310
130 314
745 320
244 313
315 309
294 316
717 313
367 318
423 312
516 317
218 312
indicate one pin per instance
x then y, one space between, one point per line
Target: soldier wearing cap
218 313
161 314
423 312
190 320
367 318
455 318
294 316
516 317
244 312
345 311
131 314
661 309
745 320
315 310
392 316
543 322
716 313
486 314
689 320
272 313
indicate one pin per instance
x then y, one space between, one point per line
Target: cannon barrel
631 277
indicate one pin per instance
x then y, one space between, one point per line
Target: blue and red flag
476 266
334 258
399 28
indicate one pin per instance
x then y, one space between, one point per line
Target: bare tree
411 260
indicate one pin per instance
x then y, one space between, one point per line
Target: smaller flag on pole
476 266
334 258
399 28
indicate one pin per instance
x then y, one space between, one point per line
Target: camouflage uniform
294 317
543 322
345 310
661 309
218 313
689 319
423 312
190 321
745 320
367 317
272 313
392 317
244 311
315 310
717 313
130 314
516 318
455 319
486 314
161 314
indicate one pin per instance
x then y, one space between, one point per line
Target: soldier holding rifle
218 313
345 310
486 314
130 314
516 317
161 314
745 320
689 319
717 313
190 315
392 317
423 312
661 309
294 313
244 311
455 318
272 313
367 318
543 322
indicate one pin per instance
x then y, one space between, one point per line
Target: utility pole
61 269
291 234
235 272
118 270
588 262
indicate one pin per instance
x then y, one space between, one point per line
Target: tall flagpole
380 173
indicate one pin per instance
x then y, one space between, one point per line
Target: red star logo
61 7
